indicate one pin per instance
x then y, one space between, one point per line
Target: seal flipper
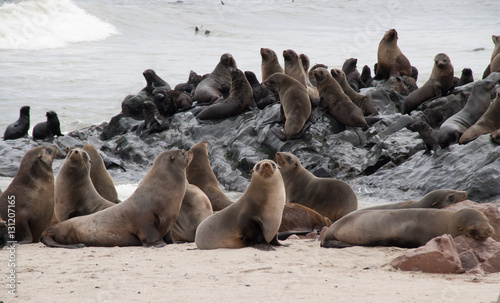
48 240
335 244
253 235
168 238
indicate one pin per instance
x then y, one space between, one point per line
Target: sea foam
46 24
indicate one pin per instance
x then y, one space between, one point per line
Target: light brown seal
294 102
146 218
330 197
254 219
200 173
295 69
337 103
489 122
404 227
28 202
195 208
270 63
363 102
438 198
74 192
494 65
390 59
300 219
439 84
208 90
100 176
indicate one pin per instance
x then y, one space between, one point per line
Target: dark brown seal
270 63
494 65
19 128
353 77
49 128
363 102
438 198
28 202
254 219
146 218
240 99
209 89
74 193
404 227
330 197
101 179
338 104
200 173
489 122
439 84
390 59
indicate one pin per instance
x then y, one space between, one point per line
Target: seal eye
257 167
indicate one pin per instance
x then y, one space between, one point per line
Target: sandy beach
301 272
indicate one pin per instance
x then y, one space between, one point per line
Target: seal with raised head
74 193
295 69
407 228
336 102
30 195
494 65
465 78
439 84
195 208
363 102
208 90
49 128
200 173
19 128
352 74
101 179
270 63
240 99
489 122
295 104
390 59
438 198
330 197
193 80
146 218
262 96
254 219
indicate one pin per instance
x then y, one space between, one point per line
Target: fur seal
254 219
195 208
31 195
330 197
49 128
200 173
338 104
210 87
74 193
477 104
465 78
193 80
494 65
19 128
295 69
240 99
407 228
366 75
363 102
352 74
270 63
300 218
390 59
262 96
439 84
154 122
489 122
438 198
146 218
295 103
99 175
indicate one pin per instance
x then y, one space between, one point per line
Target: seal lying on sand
435 199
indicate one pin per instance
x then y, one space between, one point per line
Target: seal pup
439 84
193 80
146 218
295 104
352 74
330 197
337 103
489 122
262 96
253 220
465 78
363 102
209 89
154 122
101 179
200 173
74 193
301 219
270 63
366 75
49 128
19 128
408 228
390 59
31 195
438 198
240 99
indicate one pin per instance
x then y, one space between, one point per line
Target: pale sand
302 272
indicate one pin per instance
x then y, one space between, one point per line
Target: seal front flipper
168 238
150 236
253 235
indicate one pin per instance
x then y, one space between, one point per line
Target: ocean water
80 58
